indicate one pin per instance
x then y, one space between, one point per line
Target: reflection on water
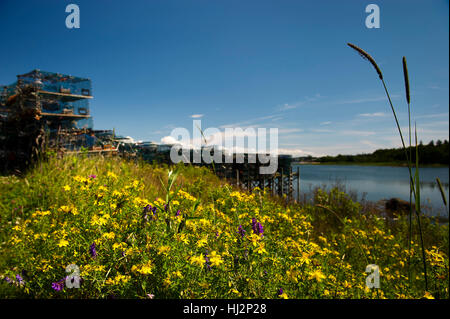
378 182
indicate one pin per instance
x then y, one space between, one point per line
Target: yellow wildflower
118 279
63 243
261 249
317 275
283 296
164 250
202 242
112 175
199 260
236 292
144 269
292 275
110 235
428 295
215 259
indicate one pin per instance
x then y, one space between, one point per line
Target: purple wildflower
241 231
178 213
93 176
280 292
19 279
8 280
258 229
207 260
254 225
145 211
148 209
59 285
93 251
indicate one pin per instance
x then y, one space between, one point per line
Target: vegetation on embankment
393 164
432 154
135 230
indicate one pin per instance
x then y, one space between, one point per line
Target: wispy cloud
357 133
318 130
436 133
335 149
372 144
251 122
275 119
343 132
434 87
376 114
306 100
289 130
169 126
326 123
434 124
197 116
428 116
368 100
287 106
294 152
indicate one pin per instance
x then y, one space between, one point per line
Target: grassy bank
135 230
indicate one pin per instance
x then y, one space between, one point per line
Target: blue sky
284 64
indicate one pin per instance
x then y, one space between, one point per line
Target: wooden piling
272 185
290 190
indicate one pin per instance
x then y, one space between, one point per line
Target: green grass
194 247
411 162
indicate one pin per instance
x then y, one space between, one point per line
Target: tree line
432 153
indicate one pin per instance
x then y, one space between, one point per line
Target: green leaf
416 178
441 189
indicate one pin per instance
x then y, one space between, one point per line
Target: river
375 183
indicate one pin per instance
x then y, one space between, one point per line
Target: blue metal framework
62 99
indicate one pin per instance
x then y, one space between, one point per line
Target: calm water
377 182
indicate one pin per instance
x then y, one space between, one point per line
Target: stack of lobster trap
45 111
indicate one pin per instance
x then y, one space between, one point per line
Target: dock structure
247 176
240 170
50 111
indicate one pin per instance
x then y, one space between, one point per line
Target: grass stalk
351 233
441 189
444 199
408 101
418 210
206 142
414 187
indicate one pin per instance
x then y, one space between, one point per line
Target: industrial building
46 110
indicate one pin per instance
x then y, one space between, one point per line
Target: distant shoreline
368 164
